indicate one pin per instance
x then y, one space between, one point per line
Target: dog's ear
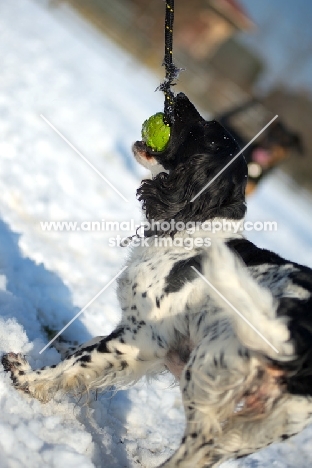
185 113
169 196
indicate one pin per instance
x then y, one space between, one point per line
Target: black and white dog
231 321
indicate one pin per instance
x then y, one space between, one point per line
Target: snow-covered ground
55 65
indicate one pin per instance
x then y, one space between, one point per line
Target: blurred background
87 70
232 50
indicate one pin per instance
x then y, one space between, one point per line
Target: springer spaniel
231 321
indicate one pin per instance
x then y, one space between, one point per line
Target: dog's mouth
140 149
144 156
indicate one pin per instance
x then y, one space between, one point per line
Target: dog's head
280 142
279 134
198 153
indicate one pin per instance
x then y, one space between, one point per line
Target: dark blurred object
270 149
296 108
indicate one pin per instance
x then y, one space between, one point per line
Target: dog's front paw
17 365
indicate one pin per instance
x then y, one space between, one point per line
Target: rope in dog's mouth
156 129
172 72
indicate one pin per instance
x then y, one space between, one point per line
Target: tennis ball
155 133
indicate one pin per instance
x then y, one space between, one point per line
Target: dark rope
172 71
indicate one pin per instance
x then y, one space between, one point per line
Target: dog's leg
235 405
118 359
221 382
64 349
67 351
206 403
243 436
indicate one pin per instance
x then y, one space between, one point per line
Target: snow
55 65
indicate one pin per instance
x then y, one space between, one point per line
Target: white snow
54 64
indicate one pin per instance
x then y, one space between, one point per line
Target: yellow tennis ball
155 133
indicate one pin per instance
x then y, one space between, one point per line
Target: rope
172 72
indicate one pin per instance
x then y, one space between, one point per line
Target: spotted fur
245 383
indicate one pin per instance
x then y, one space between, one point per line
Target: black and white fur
239 393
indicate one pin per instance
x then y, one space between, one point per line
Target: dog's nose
139 148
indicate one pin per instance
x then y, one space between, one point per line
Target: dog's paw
34 383
18 367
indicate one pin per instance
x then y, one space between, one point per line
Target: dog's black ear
185 113
169 196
